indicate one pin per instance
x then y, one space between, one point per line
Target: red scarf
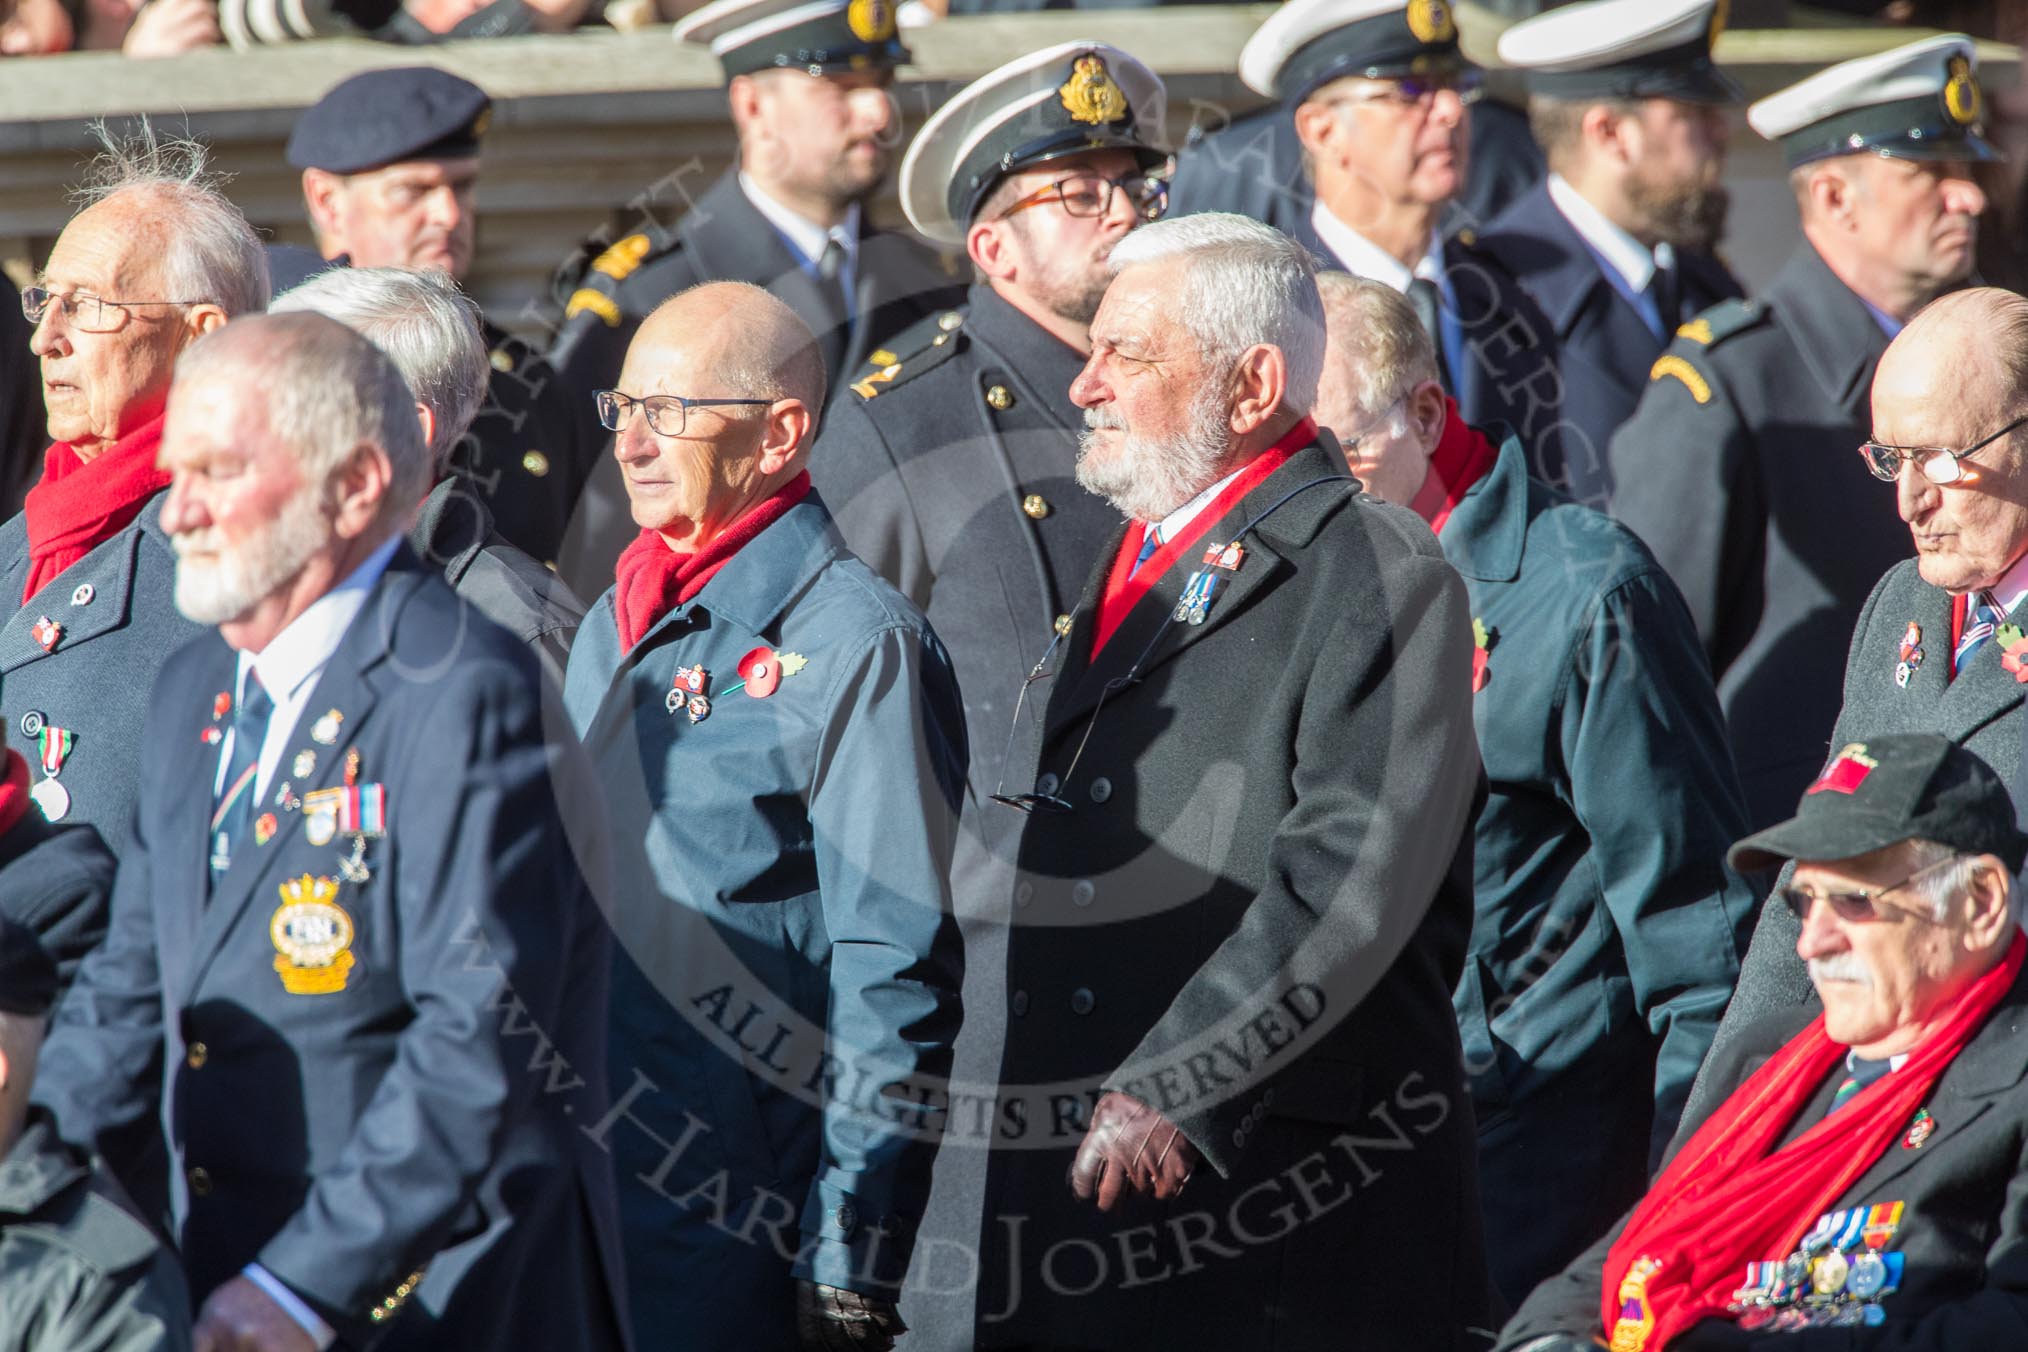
1463 457
78 506
1730 1197
654 579
14 798
1125 585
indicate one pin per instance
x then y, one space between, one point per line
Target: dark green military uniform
1740 470
78 1271
1607 930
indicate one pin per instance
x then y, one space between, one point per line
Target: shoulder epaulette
1721 321
597 288
920 347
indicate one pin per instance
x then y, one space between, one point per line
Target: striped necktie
1860 1073
1151 540
231 818
1981 619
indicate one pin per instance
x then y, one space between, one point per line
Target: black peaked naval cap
1307 43
1623 49
1920 101
823 37
1061 101
27 972
382 117
1903 786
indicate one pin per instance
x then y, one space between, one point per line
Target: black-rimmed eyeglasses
1938 464
1091 195
668 414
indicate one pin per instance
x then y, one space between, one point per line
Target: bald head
755 380
1953 378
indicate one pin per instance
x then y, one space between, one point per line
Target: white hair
427 327
325 390
1247 284
1375 333
1950 876
209 251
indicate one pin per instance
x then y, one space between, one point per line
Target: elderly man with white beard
1863 1168
347 861
1248 770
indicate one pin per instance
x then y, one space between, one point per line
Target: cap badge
1846 772
870 20
482 123
1719 16
1961 96
1090 95
1430 21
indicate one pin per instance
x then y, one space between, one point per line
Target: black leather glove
831 1320
1131 1147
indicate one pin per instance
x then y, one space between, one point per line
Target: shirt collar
1632 260
1363 258
805 235
302 649
2012 588
1889 325
1179 520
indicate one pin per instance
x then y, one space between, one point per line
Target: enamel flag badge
47 632
689 691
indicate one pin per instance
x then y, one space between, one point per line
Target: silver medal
52 797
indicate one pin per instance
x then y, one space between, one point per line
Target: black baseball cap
1876 793
27 972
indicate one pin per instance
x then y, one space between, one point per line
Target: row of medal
1834 1279
1195 603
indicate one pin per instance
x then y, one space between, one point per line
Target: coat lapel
84 615
1838 337
347 686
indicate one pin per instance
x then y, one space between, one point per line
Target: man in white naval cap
807 83
1753 412
1615 244
1378 91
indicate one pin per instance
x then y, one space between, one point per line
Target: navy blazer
117 609
1543 251
392 1134
782 907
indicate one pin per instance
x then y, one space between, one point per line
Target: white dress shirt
1361 257
1634 261
808 238
1179 520
2012 588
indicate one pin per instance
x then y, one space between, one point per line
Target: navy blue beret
383 117
27 972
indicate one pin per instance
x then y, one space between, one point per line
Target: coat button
536 463
1035 505
501 359
949 320
1000 397
200 1181
195 1055
1081 892
1081 1001
1101 789
1024 893
1062 624
1018 1002
847 1217
1047 784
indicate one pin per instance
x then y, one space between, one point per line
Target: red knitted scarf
654 579
78 505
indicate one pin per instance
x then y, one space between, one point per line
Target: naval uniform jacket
1608 931
22 434
1963 1190
955 478
531 446
1980 711
1252 919
785 943
400 1142
117 606
1549 256
1740 469
723 237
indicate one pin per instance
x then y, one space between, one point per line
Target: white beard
221 591
1147 479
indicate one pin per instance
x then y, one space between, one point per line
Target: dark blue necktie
1151 540
1982 617
232 815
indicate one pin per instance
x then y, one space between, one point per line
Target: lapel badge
2013 650
1228 557
305 764
47 632
1911 655
1920 1130
221 705
285 798
312 935
83 595
325 730
1483 639
687 691
351 766
265 826
763 670
55 745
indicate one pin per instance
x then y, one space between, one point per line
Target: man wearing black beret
390 162
77 1268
